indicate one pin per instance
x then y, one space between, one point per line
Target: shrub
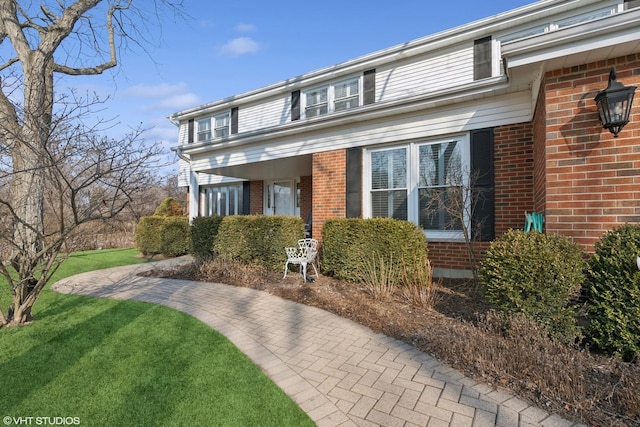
349 244
613 291
168 236
258 239
169 207
174 236
148 235
535 274
203 234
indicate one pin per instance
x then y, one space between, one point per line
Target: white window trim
330 96
212 126
413 173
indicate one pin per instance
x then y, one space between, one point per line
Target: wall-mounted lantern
614 104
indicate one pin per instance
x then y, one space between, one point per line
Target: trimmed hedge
168 236
349 242
258 239
613 291
203 234
174 236
537 275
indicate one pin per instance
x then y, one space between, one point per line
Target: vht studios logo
41 421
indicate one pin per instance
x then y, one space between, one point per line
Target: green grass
131 363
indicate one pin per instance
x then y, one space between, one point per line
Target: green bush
537 275
349 244
613 291
168 236
148 235
203 234
174 236
169 207
258 239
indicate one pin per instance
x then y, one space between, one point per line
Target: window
317 102
221 200
439 185
221 127
338 96
420 182
204 129
389 183
346 95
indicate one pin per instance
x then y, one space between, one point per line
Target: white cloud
164 96
240 46
179 102
246 28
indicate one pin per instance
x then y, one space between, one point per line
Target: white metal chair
303 255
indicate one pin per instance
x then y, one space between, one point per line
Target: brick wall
592 178
329 188
256 193
513 172
306 188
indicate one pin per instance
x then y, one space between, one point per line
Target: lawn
108 362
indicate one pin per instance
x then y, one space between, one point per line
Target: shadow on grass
27 372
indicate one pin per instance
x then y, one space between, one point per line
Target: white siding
454 118
183 133
183 173
270 112
432 72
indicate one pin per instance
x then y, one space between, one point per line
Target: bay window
221 200
423 182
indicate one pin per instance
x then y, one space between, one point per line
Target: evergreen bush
174 236
169 207
538 275
258 239
613 292
203 234
350 243
148 240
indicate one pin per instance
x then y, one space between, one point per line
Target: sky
225 48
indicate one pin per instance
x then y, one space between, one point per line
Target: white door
282 198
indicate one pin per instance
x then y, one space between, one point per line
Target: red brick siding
539 163
306 188
329 188
513 153
256 197
592 178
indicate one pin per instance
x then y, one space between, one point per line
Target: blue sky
231 47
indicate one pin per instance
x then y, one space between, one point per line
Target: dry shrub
516 352
230 272
418 287
379 276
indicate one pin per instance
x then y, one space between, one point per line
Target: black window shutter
482 58
246 198
482 191
354 182
369 87
234 120
190 131
295 105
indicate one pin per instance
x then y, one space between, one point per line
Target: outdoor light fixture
614 104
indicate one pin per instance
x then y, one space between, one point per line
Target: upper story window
337 96
213 127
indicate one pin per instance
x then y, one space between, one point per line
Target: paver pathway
339 372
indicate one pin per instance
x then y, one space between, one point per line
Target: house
504 105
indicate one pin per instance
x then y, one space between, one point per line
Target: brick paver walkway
339 372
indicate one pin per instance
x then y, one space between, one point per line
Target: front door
282 197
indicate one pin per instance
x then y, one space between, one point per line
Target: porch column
194 195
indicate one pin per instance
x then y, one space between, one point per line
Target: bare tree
43 143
